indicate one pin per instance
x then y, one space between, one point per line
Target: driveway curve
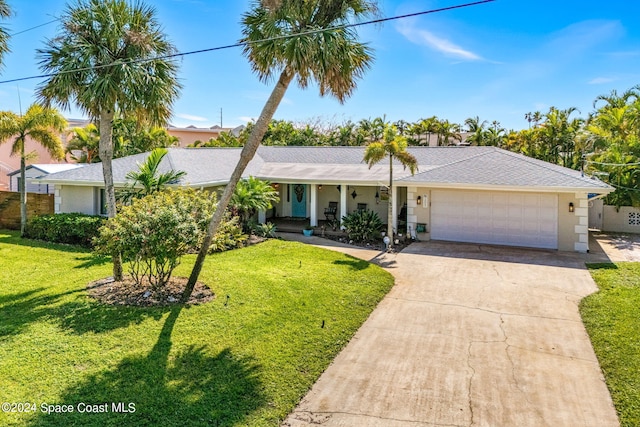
470 335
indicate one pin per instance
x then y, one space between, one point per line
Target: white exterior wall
625 220
75 199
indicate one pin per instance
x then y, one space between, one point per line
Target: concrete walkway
470 335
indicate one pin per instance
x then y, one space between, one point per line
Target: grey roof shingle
496 167
471 166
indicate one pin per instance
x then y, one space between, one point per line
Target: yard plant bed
281 313
128 292
612 319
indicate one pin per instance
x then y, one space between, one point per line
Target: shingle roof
470 166
496 167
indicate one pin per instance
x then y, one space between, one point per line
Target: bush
264 230
229 235
153 233
73 228
362 226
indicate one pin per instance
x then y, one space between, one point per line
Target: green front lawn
612 318
245 359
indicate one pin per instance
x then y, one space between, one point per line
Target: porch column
343 203
262 216
394 208
313 219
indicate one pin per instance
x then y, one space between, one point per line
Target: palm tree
105 61
86 141
40 124
477 130
393 146
5 12
252 195
295 39
148 179
613 100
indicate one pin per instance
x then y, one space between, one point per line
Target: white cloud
246 119
192 117
601 80
439 44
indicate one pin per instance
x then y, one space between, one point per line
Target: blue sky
497 61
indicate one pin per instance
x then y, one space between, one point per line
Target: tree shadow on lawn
355 263
190 389
15 239
19 310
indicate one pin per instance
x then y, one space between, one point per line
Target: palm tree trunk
106 155
248 151
390 207
23 192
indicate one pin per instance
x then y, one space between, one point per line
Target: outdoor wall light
354 194
320 187
419 200
571 207
377 197
276 185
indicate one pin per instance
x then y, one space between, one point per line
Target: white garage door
502 218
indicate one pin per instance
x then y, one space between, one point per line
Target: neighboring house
467 194
38 171
190 134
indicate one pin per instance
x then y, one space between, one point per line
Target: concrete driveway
470 335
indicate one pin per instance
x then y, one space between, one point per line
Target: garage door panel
506 218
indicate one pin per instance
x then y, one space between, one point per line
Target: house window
103 202
634 218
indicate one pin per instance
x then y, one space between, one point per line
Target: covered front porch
320 204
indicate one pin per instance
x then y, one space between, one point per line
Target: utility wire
612 164
240 44
33 28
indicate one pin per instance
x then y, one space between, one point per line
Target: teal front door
299 201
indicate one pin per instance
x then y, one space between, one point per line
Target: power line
612 164
240 44
623 187
33 28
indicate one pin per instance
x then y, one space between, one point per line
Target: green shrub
362 226
72 228
264 230
229 236
153 233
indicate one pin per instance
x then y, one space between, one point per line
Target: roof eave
520 188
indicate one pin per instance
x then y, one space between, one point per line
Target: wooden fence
37 204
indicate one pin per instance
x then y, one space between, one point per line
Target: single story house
38 171
466 194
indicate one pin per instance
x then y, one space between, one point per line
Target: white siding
77 199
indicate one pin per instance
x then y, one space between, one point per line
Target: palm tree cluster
129 137
611 143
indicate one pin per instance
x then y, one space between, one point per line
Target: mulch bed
127 292
377 245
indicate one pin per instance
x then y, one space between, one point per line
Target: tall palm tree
5 12
392 146
105 61
40 124
294 39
